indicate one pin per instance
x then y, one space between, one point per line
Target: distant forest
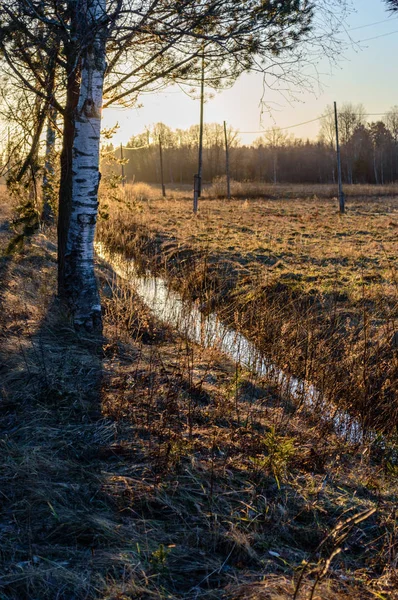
369 152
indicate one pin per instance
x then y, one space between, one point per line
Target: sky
367 74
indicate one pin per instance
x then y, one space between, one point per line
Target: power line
376 37
124 148
305 122
288 127
381 114
135 147
371 24
378 114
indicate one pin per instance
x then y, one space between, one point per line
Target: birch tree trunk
382 166
80 173
275 167
31 158
375 167
48 188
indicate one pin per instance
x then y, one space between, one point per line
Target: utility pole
161 167
122 164
341 193
227 162
197 186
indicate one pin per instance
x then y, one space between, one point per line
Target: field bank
316 291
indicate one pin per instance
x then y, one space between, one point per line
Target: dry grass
316 291
255 190
152 468
305 237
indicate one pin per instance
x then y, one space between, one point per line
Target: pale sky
367 75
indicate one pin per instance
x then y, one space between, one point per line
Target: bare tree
391 122
136 45
18 111
350 117
275 139
49 168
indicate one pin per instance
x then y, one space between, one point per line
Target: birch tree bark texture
80 173
48 176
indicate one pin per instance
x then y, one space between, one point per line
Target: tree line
369 152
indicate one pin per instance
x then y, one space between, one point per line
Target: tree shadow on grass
67 527
5 259
63 532
54 514
128 506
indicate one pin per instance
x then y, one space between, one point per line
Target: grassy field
302 238
142 466
317 292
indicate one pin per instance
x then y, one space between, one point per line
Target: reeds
317 294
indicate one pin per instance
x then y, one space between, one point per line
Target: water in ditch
209 331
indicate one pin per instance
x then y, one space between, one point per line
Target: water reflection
207 330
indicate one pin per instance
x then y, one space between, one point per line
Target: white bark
79 255
48 188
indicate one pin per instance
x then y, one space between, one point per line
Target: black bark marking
92 205
89 109
86 219
80 153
